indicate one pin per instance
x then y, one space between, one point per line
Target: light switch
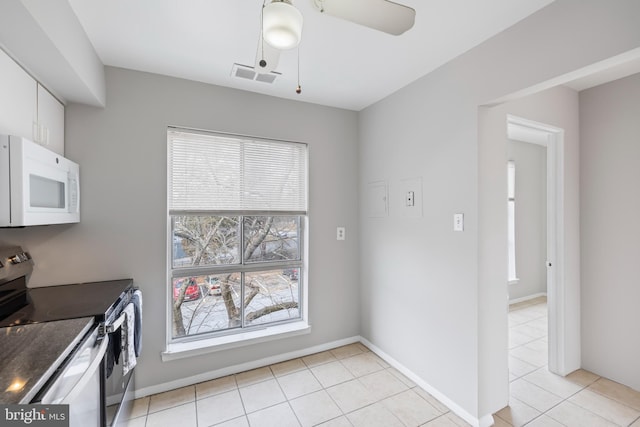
410 198
340 233
458 222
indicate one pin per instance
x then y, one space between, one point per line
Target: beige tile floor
348 386
540 398
351 387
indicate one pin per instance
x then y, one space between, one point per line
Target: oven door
78 383
119 391
118 385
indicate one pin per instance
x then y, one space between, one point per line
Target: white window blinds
214 172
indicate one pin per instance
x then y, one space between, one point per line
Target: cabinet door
51 121
17 100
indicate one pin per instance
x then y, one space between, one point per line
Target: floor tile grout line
548 391
335 403
195 404
286 398
292 411
527 362
557 404
244 408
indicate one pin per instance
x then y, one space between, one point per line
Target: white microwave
37 186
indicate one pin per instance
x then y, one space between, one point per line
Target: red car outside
192 292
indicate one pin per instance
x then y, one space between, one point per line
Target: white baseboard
234 369
484 421
527 298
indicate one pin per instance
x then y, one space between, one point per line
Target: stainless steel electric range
104 301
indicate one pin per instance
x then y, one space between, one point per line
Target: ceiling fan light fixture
281 24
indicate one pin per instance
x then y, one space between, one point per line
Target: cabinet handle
44 137
35 131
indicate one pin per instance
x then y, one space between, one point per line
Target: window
237 213
511 220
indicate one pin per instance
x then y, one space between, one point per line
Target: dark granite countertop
30 353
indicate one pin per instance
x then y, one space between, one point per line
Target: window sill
514 281
209 345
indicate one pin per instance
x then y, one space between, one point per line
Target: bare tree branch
255 290
255 240
270 309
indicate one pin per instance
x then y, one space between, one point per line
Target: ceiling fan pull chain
299 88
262 62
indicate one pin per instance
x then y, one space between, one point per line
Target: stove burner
98 299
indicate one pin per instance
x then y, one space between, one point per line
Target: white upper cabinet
18 99
50 125
27 109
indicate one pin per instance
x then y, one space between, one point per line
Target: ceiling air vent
240 71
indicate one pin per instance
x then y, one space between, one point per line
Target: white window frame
216 341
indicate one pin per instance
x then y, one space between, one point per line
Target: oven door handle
89 373
116 325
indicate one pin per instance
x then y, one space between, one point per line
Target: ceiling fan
282 23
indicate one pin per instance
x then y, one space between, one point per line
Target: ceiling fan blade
382 15
269 54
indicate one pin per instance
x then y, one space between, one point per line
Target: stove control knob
19 257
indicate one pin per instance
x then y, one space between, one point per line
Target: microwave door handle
76 181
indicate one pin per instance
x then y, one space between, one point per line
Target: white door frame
552 138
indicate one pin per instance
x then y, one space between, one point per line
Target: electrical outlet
340 233
458 222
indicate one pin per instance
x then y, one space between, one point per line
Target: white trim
241 367
514 281
484 421
197 347
527 298
520 128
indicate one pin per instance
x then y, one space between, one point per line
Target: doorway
552 139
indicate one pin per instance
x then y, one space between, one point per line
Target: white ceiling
341 64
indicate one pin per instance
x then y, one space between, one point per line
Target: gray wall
531 218
121 150
435 299
609 206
